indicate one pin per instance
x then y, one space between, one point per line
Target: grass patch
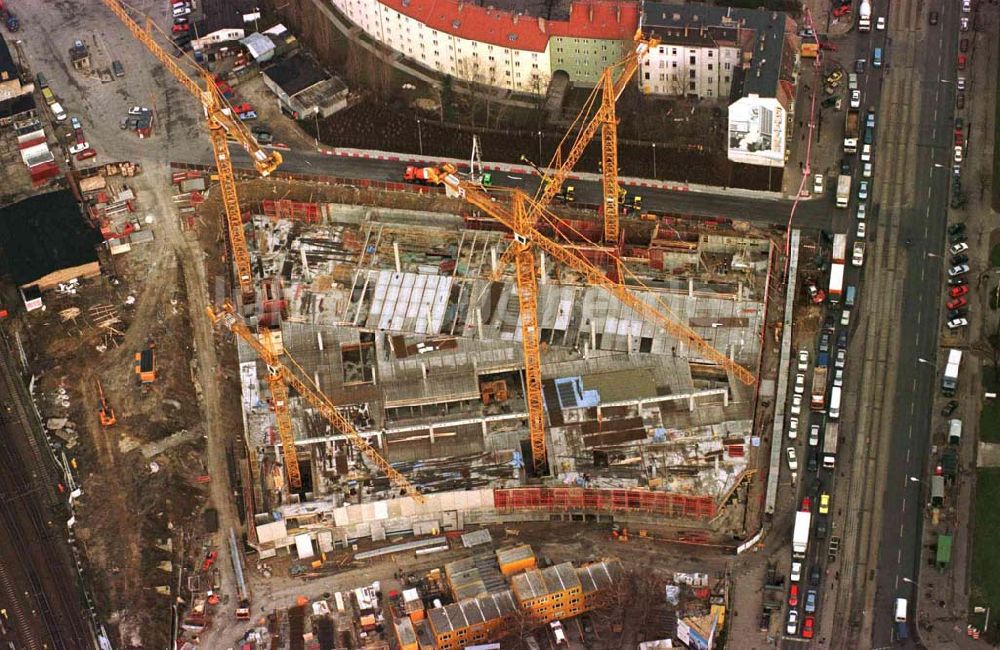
995 256
989 422
985 559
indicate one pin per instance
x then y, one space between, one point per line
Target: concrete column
725 398
430 430
479 322
493 258
543 276
628 342
319 340
690 287
593 334
691 403
395 253
423 369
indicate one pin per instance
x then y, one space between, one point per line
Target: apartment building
496 47
717 52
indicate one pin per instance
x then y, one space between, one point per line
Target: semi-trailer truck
839 248
830 438
817 400
843 190
865 16
836 282
851 131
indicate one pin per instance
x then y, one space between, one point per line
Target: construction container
516 559
146 365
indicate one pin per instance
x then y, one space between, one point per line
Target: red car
89 152
961 61
957 303
841 11
180 28
808 627
806 505
955 292
793 596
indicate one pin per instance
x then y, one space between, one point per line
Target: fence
665 504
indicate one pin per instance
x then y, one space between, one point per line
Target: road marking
909 432
904 500
921 279
897 582
908 455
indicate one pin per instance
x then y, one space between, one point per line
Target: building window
710 66
691 74
727 65
662 77
691 86
647 76
673 51
692 60
675 65
709 92
726 78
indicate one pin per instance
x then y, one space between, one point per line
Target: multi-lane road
732 204
890 391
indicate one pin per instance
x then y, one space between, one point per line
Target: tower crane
605 119
279 377
223 124
518 218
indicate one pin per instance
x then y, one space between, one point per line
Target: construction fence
663 504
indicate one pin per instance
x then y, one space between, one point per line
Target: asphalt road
733 205
921 309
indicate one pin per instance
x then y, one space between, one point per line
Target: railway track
42 592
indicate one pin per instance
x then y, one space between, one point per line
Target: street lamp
539 147
912 582
654 160
923 360
914 479
420 138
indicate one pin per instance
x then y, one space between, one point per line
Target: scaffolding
666 504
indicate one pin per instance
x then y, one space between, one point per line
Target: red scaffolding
681 506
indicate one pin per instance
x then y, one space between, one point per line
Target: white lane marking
904 505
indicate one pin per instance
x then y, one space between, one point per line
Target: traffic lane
902 526
809 214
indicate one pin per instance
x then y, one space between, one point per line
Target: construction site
398 368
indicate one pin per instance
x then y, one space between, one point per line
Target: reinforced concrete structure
394 316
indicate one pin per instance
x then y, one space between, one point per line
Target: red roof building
498 47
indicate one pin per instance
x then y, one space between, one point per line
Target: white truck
950 380
865 16
800 536
830 438
836 282
839 248
954 431
843 190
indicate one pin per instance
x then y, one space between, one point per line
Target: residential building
10 79
549 594
496 47
745 58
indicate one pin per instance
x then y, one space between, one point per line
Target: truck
851 295
48 95
800 536
843 190
830 438
869 135
834 411
851 125
840 248
950 380
865 16
817 401
836 282
422 175
954 431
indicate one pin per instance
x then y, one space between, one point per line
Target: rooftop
542 582
761 32
522 25
471 611
295 74
43 234
8 69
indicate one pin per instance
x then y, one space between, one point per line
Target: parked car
75 123
814 575
963 45
803 360
118 68
866 170
860 233
795 575
824 504
793 596
870 119
78 147
814 435
960 247
949 408
962 59
855 99
957 323
958 270
863 191
958 154
956 228
963 24
960 101
800 384
958 313
957 303
845 317
959 259
880 24
838 377
960 290
89 152
808 627
793 461
818 184
793 428
957 282
862 209
841 360
792 624
960 82
796 405
811 598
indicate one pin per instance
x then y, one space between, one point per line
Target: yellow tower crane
279 377
526 238
223 124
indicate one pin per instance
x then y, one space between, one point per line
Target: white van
58 112
834 411
900 610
